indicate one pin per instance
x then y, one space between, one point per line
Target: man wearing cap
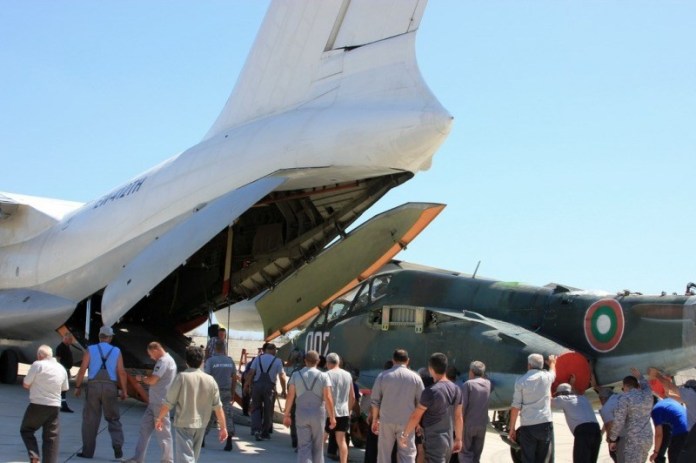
581 421
531 402
105 364
264 371
343 397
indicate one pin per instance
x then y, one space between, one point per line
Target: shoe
118 452
257 436
228 445
265 436
64 407
82 455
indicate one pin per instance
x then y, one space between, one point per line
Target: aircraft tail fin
300 46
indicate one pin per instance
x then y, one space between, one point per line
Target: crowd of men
414 417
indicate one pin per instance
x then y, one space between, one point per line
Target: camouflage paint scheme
427 310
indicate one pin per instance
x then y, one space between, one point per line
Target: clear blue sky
571 158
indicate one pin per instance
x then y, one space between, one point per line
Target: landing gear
500 421
9 361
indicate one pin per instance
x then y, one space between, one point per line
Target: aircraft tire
9 361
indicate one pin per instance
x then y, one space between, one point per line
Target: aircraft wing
29 311
500 332
172 249
341 266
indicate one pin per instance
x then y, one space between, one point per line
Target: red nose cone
572 363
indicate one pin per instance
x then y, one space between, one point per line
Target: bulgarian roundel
604 325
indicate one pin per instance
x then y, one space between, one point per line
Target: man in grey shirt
395 394
531 401
476 393
222 368
159 381
581 420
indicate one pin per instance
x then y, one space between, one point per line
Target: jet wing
499 332
8 206
172 249
341 266
28 311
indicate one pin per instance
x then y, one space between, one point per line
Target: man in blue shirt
673 414
105 364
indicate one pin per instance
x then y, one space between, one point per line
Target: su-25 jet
426 310
328 114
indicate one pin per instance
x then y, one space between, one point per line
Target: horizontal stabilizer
23 217
27 311
172 249
357 256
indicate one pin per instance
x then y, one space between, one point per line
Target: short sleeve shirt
532 396
222 368
476 393
263 362
440 400
671 412
165 370
47 379
341 383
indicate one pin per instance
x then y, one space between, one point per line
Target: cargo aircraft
329 112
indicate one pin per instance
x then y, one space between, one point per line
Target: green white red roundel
604 325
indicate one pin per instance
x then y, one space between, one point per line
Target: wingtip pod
298 54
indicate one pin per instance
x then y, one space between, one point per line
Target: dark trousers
535 442
688 452
41 416
262 396
666 439
675 447
588 438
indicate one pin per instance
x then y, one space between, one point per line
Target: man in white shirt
45 380
531 401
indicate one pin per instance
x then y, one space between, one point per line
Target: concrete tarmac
14 400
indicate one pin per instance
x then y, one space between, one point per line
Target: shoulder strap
310 388
101 354
269 365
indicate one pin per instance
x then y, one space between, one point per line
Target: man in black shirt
64 356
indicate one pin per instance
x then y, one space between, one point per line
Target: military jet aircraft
329 113
426 310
